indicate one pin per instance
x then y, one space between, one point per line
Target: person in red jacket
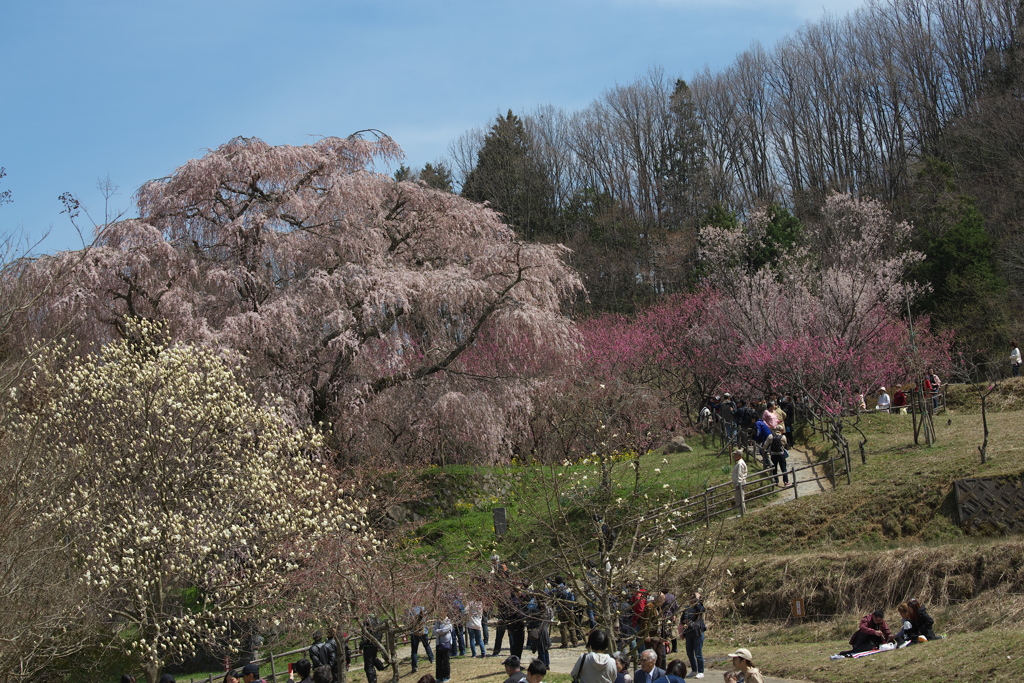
872 632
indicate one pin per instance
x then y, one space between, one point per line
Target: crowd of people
650 626
763 429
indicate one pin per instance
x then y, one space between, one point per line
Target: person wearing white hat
743 666
884 403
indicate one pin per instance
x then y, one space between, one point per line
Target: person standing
1015 359
669 609
475 627
779 455
739 478
692 628
787 408
771 417
884 403
369 646
419 634
596 666
443 649
936 389
727 411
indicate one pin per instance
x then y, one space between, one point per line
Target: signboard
500 522
799 608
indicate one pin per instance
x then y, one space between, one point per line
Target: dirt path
489 668
805 486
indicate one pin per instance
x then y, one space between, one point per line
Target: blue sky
132 90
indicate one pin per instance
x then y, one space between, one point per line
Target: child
536 672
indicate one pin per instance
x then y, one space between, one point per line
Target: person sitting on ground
901 636
883 404
743 666
675 672
921 623
648 671
596 666
870 634
536 671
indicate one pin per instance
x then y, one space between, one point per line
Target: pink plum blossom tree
358 300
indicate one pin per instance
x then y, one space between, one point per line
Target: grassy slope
903 495
464 527
901 499
897 518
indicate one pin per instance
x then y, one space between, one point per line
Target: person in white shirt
884 403
739 478
1015 360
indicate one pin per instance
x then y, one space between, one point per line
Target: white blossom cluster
189 503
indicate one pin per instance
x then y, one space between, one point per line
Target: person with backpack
565 610
778 453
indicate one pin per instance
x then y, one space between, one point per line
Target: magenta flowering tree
358 300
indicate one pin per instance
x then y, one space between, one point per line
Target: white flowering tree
606 524
188 504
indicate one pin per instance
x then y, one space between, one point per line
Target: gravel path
805 486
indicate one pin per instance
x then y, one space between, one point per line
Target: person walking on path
739 478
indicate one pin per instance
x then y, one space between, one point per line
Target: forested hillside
219 418
914 103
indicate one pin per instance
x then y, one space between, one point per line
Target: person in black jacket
692 628
324 652
921 623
